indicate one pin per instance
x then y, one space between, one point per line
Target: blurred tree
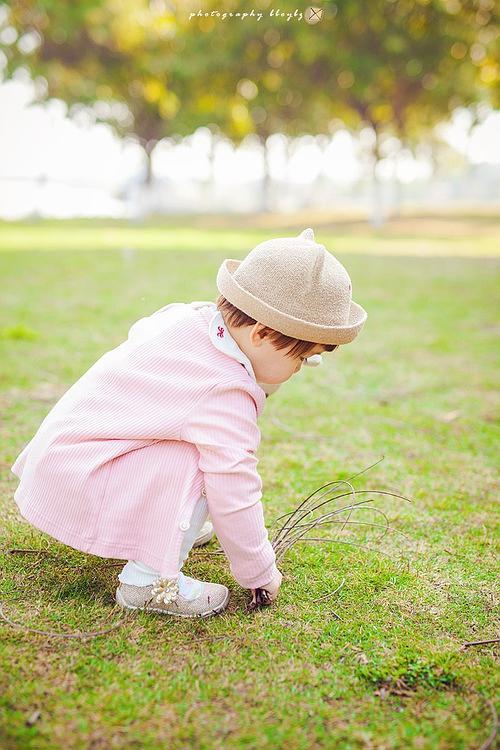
406 65
113 57
396 66
247 89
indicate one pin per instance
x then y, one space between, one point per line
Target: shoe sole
215 611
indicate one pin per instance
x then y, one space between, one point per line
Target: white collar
222 340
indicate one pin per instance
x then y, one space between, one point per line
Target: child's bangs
298 347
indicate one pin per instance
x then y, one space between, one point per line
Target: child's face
273 365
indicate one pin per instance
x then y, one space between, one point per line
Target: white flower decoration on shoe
165 590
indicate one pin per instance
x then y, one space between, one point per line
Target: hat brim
261 311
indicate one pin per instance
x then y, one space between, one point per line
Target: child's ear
257 334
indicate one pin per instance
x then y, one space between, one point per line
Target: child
162 430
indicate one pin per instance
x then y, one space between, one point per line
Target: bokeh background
139 107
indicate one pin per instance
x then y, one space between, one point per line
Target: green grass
391 672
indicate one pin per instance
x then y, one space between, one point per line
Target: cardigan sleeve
223 427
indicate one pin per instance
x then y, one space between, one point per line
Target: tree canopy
154 69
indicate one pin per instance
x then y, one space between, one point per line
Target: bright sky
41 140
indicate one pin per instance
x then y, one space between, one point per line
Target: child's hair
238 318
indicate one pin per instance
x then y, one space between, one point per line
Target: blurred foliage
151 69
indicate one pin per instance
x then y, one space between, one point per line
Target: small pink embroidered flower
220 331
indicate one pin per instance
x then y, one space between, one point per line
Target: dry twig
302 520
480 643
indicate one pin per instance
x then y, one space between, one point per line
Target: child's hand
272 588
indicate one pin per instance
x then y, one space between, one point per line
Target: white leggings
137 573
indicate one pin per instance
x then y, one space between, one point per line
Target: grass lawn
418 386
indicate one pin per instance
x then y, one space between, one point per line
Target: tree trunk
288 155
397 191
377 218
148 151
266 180
207 188
211 158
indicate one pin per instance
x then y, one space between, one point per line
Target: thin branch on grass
19 551
294 529
284 539
330 593
302 508
386 529
55 634
95 634
337 497
328 484
480 643
346 522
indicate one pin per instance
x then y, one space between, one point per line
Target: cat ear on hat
307 234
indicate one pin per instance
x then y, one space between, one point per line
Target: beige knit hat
296 287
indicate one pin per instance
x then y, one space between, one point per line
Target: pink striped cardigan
117 465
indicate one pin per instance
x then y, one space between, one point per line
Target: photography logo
313 15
